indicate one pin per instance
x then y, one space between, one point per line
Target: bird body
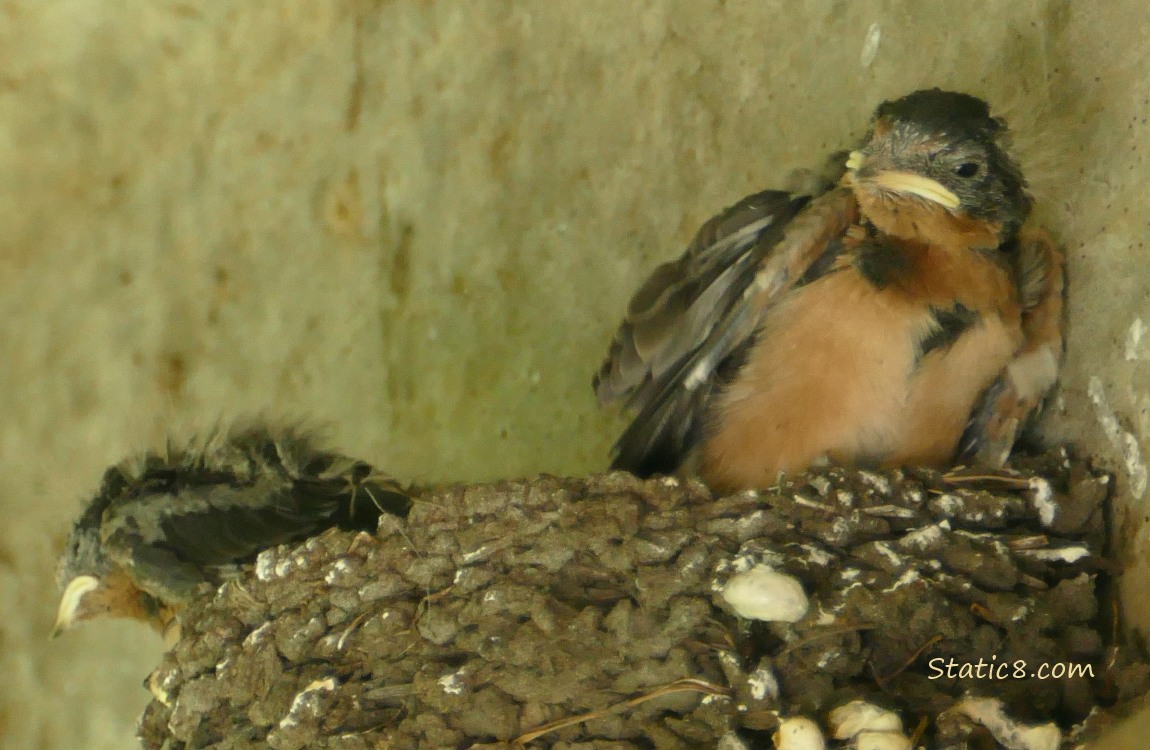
169 521
903 316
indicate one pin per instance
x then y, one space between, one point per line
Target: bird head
935 162
91 584
81 577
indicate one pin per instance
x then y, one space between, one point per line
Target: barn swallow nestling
168 521
905 313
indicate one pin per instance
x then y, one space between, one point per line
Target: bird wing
173 535
688 328
1015 398
235 524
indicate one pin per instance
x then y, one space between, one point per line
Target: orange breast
834 375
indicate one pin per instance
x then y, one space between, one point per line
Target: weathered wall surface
419 222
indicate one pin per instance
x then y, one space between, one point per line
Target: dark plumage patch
824 263
952 323
880 264
957 114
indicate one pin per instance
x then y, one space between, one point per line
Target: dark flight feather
689 327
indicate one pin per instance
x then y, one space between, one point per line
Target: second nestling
167 522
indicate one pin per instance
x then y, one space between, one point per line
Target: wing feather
1013 401
688 328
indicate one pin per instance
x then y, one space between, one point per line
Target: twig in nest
839 630
354 624
919 731
1004 480
882 681
678 686
1035 541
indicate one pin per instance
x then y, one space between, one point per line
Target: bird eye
967 169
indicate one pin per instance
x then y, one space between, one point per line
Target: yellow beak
910 183
907 183
74 594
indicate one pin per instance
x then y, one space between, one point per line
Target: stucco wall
419 222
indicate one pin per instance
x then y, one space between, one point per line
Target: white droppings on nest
490 597
806 502
889 554
878 482
1009 733
1119 438
160 689
458 577
670 482
730 661
763 593
826 658
950 504
691 566
747 558
926 536
1020 613
265 565
854 717
452 684
283 567
257 635
817 556
799 733
738 564
1042 498
470 557
905 579
1057 554
750 521
822 485
914 495
299 560
849 574
844 498
306 699
825 618
222 665
338 567
1134 336
763 683
841 528
889 511
986 536
844 594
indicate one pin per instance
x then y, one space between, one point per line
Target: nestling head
937 161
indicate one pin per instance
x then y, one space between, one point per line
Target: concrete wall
419 222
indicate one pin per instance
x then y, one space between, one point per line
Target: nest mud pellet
596 613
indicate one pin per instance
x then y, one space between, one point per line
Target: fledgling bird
905 313
168 521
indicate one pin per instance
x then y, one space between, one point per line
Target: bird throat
918 220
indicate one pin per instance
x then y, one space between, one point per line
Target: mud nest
600 613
